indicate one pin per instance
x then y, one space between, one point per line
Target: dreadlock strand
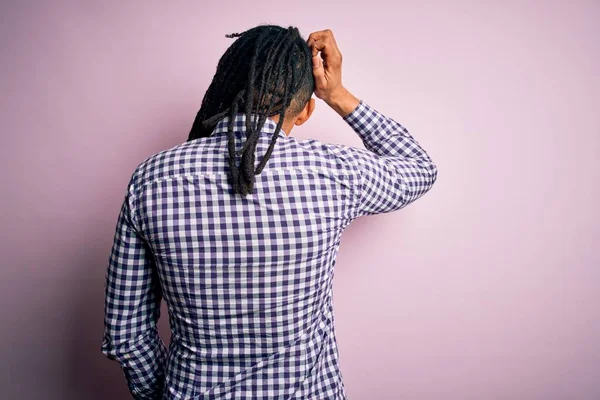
285 65
231 142
286 101
252 139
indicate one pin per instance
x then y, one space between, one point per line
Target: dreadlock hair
267 71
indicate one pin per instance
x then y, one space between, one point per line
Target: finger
323 36
330 53
317 62
317 46
320 34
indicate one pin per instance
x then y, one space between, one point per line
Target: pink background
486 288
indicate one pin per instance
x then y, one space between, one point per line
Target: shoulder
327 150
345 159
159 165
349 156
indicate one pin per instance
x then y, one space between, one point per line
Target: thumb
318 72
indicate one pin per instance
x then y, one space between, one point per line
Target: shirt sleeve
132 309
393 169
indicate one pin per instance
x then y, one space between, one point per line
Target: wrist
342 101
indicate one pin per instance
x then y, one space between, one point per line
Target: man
239 228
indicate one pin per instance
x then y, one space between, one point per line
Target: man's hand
327 71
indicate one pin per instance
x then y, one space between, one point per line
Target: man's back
247 279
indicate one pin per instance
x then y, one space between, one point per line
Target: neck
286 127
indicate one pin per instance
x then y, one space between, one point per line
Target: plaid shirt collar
240 126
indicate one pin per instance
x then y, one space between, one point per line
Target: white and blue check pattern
247 281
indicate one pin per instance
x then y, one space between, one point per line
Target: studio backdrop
486 288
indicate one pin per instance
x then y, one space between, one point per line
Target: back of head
267 71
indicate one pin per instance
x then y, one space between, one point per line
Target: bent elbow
412 189
433 173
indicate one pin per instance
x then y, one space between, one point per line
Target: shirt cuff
355 114
365 121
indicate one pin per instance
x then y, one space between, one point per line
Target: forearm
383 135
342 101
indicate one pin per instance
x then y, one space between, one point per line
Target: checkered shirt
247 281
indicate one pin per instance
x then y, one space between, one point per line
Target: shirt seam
134 190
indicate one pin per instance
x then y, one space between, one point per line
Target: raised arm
394 170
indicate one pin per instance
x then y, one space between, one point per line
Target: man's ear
306 112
